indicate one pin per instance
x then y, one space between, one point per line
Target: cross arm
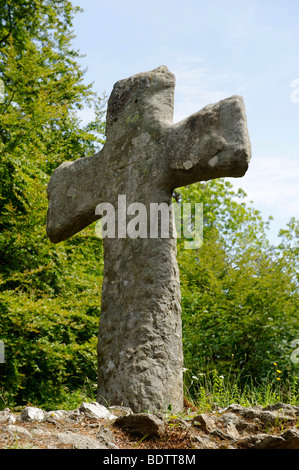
212 143
74 191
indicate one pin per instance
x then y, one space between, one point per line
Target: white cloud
271 182
196 86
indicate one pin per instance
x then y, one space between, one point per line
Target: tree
45 317
39 127
239 297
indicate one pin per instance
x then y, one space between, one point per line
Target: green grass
208 390
205 391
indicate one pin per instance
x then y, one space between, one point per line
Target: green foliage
39 127
50 337
239 298
49 295
48 344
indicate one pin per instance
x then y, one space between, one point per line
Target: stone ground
92 426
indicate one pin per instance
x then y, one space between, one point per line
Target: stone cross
145 157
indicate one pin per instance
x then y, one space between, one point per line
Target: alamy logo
159 221
2 355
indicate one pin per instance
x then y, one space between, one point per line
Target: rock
182 423
40 432
141 424
7 416
232 431
204 422
269 442
285 409
239 423
120 410
57 414
17 430
211 425
203 442
79 441
248 442
105 436
30 413
96 411
261 415
75 415
234 419
291 438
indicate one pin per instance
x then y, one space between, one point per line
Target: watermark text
159 220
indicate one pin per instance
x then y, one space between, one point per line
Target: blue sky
215 48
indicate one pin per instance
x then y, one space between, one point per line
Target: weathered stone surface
31 413
75 416
7 416
141 424
17 430
96 411
286 440
203 442
104 434
205 422
40 431
269 442
56 414
144 159
283 409
82 442
232 431
291 438
239 423
120 410
263 415
249 442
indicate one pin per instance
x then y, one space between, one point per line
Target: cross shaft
145 158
